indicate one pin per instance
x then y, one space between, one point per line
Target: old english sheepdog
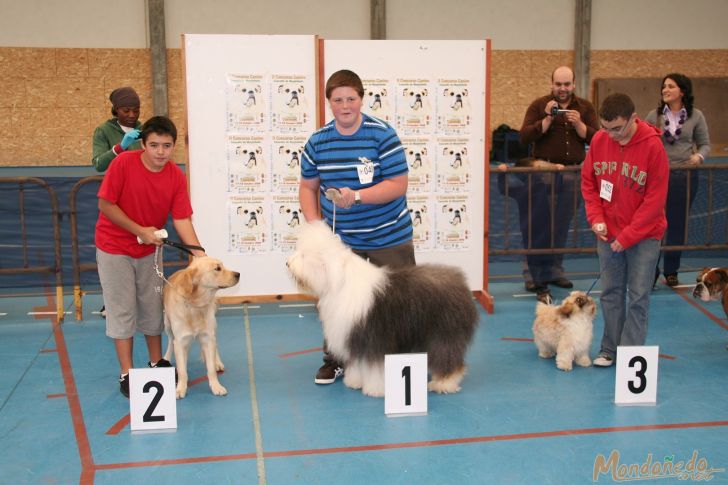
368 312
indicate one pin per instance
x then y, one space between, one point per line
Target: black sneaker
163 363
328 373
160 363
124 385
530 286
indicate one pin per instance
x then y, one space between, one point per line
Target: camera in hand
556 110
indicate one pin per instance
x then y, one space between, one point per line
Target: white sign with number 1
152 399
636 377
405 384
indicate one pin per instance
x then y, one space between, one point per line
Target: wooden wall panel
44 91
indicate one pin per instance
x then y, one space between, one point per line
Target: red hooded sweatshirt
638 173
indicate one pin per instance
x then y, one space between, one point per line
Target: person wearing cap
119 133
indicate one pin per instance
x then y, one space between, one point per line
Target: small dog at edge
712 284
368 312
566 330
189 313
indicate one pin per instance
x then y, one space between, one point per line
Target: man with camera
557 126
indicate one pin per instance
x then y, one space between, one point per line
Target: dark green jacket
107 137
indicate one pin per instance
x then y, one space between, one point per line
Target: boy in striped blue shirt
363 158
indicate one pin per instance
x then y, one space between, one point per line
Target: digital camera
555 110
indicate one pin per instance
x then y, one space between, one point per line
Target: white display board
252 103
434 94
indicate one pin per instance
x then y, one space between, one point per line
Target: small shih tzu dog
565 330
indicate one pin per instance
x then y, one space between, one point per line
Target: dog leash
159 252
609 261
332 194
184 247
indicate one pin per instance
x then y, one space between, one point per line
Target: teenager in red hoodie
624 184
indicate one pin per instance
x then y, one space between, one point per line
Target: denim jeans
536 230
627 279
676 210
534 221
567 183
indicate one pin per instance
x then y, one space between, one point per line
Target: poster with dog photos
287 219
419 153
452 222
247 164
414 107
420 210
453 165
264 87
246 103
453 106
378 99
286 166
248 226
290 107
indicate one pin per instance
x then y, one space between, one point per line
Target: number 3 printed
639 388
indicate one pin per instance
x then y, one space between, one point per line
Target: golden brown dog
565 330
189 313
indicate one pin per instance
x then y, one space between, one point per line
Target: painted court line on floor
417 444
300 352
260 461
694 302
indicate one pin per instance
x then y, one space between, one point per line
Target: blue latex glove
129 138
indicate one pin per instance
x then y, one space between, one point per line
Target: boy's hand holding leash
343 197
600 229
152 235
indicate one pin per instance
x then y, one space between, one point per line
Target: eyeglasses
618 130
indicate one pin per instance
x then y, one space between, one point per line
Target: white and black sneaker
328 373
124 385
603 360
164 363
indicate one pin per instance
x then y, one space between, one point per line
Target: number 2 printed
148 417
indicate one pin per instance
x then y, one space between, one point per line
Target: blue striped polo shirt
334 159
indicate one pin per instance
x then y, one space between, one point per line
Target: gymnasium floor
517 419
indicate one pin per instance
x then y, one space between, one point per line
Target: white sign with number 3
636 377
152 399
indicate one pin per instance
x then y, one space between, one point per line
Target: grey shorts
132 294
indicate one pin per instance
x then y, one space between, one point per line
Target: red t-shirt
146 197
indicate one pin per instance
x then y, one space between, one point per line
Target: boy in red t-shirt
140 190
